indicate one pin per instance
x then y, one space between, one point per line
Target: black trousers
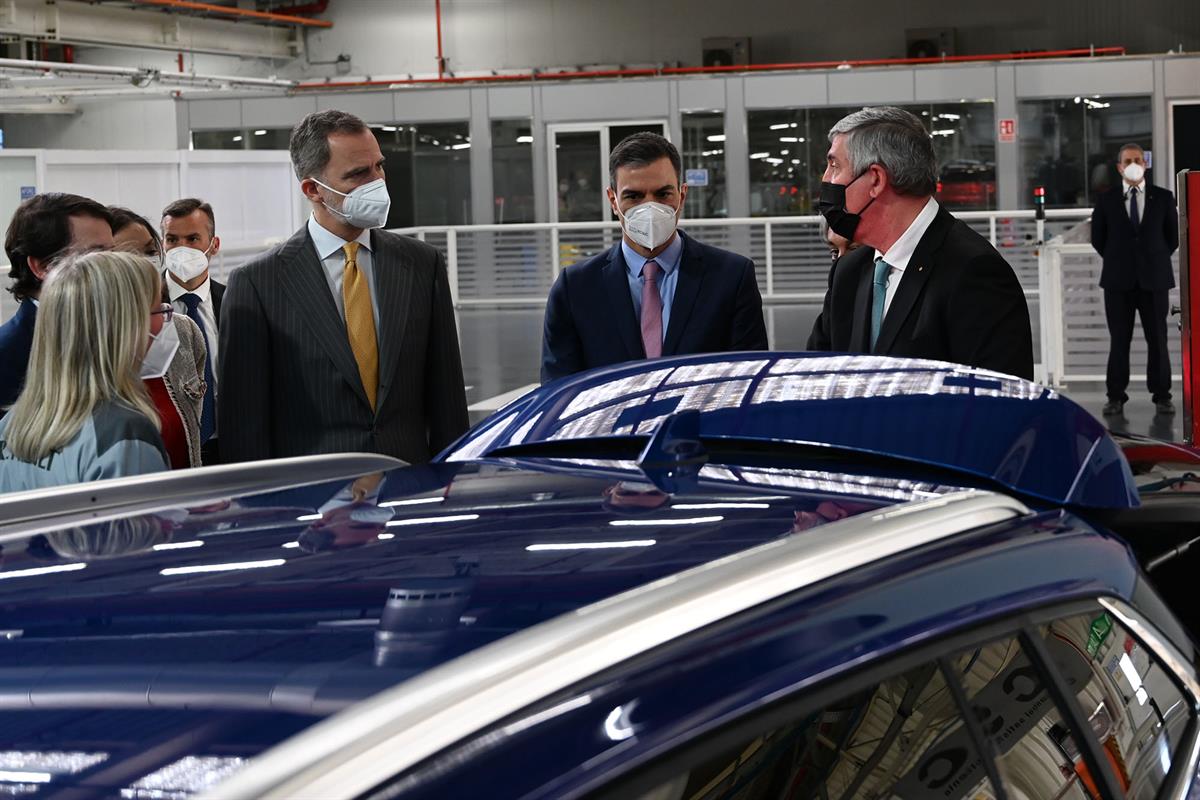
1119 309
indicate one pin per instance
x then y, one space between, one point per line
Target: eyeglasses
167 310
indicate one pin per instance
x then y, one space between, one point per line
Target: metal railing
515 264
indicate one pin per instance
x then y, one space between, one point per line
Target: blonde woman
84 413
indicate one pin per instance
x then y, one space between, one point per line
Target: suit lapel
304 281
687 289
1151 199
615 276
916 275
393 287
860 329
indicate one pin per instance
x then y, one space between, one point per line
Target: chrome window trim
1180 778
358 750
55 507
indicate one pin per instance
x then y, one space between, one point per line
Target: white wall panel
254 196
510 102
370 106
431 105
871 86
1182 77
935 84
702 94
639 99
787 91
143 187
277 112
1067 78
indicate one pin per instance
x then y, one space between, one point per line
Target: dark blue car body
220 630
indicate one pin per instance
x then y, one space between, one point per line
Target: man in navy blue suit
657 293
43 228
1135 228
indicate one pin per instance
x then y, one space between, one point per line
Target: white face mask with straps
365 207
186 263
163 346
650 224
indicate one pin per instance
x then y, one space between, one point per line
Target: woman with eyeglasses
177 393
84 413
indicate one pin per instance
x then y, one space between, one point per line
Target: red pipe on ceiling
237 13
437 9
649 72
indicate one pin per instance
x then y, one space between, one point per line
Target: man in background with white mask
189 233
1135 228
659 292
342 338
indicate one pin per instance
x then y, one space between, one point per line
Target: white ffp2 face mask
186 263
162 350
1134 172
365 207
650 224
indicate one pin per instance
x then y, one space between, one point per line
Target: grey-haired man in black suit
342 338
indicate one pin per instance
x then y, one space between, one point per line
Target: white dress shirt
1141 199
333 258
207 316
900 253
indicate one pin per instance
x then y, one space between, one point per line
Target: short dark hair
41 229
188 206
123 217
309 143
1130 146
641 150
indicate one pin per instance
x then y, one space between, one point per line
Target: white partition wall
254 193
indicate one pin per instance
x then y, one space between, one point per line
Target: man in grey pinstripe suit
342 338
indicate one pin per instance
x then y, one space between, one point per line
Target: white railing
515 264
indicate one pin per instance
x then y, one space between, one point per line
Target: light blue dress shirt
333 260
668 262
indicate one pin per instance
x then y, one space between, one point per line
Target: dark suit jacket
1136 259
289 382
590 320
958 301
16 340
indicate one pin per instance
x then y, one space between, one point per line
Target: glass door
578 169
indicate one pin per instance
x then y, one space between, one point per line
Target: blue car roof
1025 437
259 615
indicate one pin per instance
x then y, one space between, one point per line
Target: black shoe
1164 407
1113 408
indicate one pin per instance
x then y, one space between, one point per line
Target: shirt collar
175 291
667 260
328 243
900 253
1140 186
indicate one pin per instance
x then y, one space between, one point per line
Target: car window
907 736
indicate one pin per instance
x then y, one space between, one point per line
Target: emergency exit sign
1008 130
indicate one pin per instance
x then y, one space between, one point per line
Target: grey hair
309 142
894 139
1130 146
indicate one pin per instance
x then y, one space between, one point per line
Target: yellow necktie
360 321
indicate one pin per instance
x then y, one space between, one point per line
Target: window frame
657 768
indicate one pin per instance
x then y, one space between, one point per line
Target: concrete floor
502 356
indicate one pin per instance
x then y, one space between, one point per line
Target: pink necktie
651 311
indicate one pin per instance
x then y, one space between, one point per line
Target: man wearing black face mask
925 285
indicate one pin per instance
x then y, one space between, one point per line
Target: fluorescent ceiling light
760 155
290 545
309 517
432 520
710 506
416 501
524 140
537 548
716 137
260 133
29 573
385 536
780 126
389 128
237 138
179 545
463 146
654 523
14 776
231 567
788 139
